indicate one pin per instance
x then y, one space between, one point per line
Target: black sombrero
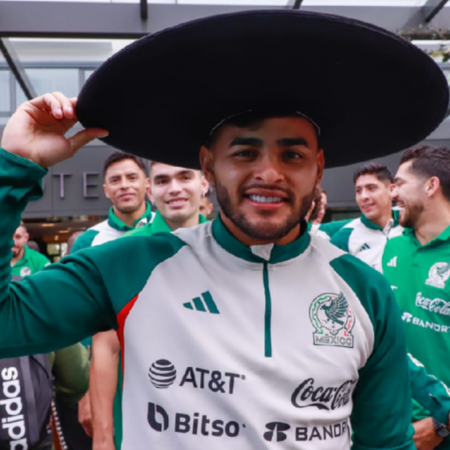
371 92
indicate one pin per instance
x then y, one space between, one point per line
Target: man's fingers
66 105
85 136
59 105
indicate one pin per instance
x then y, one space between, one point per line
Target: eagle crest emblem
333 320
438 275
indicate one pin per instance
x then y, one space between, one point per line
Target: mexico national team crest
438 275
333 320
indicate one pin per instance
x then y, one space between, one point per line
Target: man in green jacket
417 265
25 261
176 192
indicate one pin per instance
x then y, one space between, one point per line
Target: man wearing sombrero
244 333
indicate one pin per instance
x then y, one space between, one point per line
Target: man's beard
127 209
270 233
410 215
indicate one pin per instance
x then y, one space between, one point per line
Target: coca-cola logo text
327 398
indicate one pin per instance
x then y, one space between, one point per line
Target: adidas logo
393 262
364 247
204 304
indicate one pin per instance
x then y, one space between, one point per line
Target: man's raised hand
36 131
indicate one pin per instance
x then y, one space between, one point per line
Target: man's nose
124 183
174 187
268 170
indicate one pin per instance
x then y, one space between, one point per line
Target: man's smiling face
176 191
265 175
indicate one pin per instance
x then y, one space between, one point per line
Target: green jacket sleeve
71 371
331 228
341 238
431 393
381 417
75 298
84 241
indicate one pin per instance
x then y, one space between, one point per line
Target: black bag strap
33 428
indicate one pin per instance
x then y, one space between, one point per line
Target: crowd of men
403 232
262 328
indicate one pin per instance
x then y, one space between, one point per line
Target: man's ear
105 190
432 186
149 193
205 185
206 161
320 167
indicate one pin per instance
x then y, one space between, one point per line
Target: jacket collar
373 226
438 240
117 224
270 253
159 225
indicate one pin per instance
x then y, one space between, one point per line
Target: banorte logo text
329 398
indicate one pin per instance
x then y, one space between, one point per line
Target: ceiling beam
432 9
17 69
294 4
425 14
60 19
144 10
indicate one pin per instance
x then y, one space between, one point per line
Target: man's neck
383 219
434 222
18 257
249 241
130 218
188 223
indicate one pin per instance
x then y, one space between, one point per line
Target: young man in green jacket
366 236
176 192
417 265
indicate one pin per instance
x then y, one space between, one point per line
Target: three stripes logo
162 374
393 262
205 303
364 247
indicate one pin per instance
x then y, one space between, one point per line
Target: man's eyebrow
184 172
160 177
289 142
255 142
397 179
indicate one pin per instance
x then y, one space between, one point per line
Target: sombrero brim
371 92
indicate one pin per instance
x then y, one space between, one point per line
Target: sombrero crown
371 92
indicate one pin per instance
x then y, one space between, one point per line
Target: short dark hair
255 117
121 156
372 168
430 161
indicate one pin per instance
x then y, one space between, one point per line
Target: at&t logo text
162 374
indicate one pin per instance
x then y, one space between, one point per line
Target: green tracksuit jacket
31 262
419 276
224 346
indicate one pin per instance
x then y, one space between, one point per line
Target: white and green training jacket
366 240
224 346
110 229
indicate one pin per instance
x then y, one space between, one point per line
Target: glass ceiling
406 3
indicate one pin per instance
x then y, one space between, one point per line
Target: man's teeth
177 202
261 199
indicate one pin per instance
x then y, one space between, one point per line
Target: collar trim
269 253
